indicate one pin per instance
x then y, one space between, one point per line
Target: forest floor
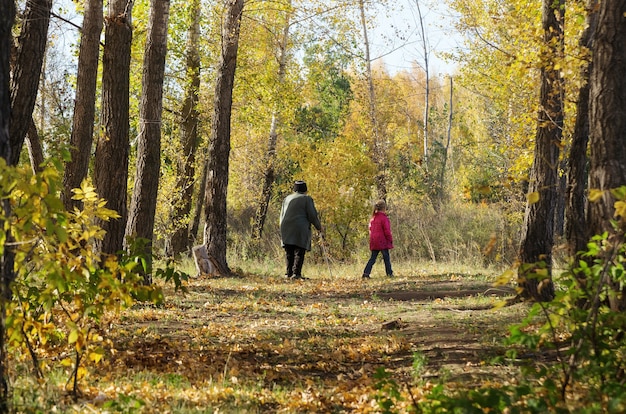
259 343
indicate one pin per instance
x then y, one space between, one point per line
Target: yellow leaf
620 209
533 197
73 336
595 195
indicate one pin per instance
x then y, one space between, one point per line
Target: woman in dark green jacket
296 216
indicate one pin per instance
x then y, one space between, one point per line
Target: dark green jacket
296 216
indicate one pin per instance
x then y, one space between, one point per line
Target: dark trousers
295 260
372 261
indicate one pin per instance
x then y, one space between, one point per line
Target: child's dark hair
380 205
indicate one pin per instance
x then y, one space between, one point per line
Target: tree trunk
35 151
427 90
270 157
7 13
181 238
111 163
81 140
607 122
144 200
27 72
219 146
194 227
576 203
538 232
379 149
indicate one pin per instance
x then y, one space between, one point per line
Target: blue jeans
372 260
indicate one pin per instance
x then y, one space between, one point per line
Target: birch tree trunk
144 199
379 150
219 145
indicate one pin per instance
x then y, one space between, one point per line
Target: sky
398 36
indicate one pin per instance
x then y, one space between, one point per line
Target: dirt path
327 334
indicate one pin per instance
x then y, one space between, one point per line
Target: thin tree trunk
7 14
427 86
111 163
219 146
194 229
144 199
379 148
31 50
35 151
534 274
81 140
181 238
270 157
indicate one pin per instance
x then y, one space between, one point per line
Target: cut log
205 265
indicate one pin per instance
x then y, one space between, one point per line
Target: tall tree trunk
111 163
538 230
270 156
379 149
144 199
181 238
27 72
219 146
576 205
607 122
81 139
427 86
7 13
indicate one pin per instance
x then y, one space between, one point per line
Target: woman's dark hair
299 187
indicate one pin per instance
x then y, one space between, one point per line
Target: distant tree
180 240
534 274
142 211
269 174
111 160
26 74
379 147
607 126
81 139
219 145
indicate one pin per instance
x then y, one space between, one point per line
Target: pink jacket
380 232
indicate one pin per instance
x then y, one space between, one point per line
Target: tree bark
7 14
538 230
607 122
181 239
111 162
270 158
219 146
35 151
27 72
81 140
144 199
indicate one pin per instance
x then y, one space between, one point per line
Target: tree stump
204 264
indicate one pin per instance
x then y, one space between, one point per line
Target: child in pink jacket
381 239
